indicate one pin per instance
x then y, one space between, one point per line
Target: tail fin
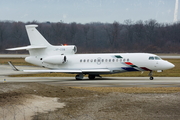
35 38
37 41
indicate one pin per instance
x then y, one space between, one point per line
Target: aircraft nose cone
170 65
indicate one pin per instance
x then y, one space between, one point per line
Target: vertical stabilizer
35 38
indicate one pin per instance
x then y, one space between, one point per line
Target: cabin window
109 60
112 60
87 60
151 58
91 60
106 60
102 60
124 60
80 60
127 60
94 60
116 60
84 60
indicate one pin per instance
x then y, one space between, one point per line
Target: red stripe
128 63
144 68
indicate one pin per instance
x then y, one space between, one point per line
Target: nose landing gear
151 78
151 75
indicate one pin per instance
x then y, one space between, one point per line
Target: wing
71 71
53 71
85 71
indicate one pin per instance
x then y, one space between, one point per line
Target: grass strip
138 90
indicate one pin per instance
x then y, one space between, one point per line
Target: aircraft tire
91 77
78 77
151 78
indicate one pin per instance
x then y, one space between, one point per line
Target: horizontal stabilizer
27 48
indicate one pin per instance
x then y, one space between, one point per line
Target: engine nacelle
56 59
65 49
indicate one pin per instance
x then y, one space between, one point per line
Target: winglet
13 67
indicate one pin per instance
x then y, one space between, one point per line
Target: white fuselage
116 62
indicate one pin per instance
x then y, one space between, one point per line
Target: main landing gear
91 77
151 75
79 77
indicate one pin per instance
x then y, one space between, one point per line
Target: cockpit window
151 58
157 58
154 58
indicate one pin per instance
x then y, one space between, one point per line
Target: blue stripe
129 69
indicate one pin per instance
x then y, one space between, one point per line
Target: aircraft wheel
91 77
151 75
151 78
79 77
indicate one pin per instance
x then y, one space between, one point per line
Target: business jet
62 59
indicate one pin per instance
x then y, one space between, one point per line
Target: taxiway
99 82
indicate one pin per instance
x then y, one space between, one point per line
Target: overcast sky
86 11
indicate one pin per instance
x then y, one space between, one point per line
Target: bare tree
2 29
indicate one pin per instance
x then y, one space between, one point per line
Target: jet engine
56 59
66 49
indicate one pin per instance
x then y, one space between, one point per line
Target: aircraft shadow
86 79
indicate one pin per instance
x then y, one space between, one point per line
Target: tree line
140 36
